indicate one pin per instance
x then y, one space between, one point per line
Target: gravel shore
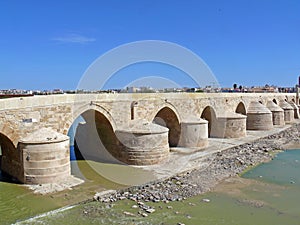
221 165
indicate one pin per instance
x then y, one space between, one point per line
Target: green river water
18 203
267 194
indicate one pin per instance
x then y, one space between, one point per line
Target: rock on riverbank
221 165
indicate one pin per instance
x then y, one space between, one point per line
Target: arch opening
92 138
241 109
274 100
293 100
210 115
10 168
132 110
166 117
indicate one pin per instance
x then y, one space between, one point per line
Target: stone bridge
136 129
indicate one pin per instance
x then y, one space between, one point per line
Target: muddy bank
220 166
67 183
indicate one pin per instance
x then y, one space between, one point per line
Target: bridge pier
288 111
45 157
143 143
277 113
42 157
194 133
296 110
231 125
259 117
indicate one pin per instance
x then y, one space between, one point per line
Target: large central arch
210 115
167 117
95 139
82 109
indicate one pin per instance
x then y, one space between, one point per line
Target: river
266 194
18 203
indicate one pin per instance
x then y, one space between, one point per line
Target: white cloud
74 38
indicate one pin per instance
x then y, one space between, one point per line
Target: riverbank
203 171
266 194
67 184
219 166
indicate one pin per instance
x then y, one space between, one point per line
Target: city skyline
51 44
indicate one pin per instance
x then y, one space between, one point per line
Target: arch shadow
209 114
10 161
241 109
78 111
168 118
94 138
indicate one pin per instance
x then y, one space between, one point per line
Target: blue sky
50 44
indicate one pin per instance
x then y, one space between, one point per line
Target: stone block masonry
135 129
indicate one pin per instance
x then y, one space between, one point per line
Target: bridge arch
209 114
167 117
6 144
275 101
10 133
9 157
78 111
94 136
241 109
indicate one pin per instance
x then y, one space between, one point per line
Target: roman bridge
136 129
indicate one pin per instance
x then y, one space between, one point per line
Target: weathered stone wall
11 159
259 117
21 116
194 133
18 123
231 127
45 162
278 118
143 149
